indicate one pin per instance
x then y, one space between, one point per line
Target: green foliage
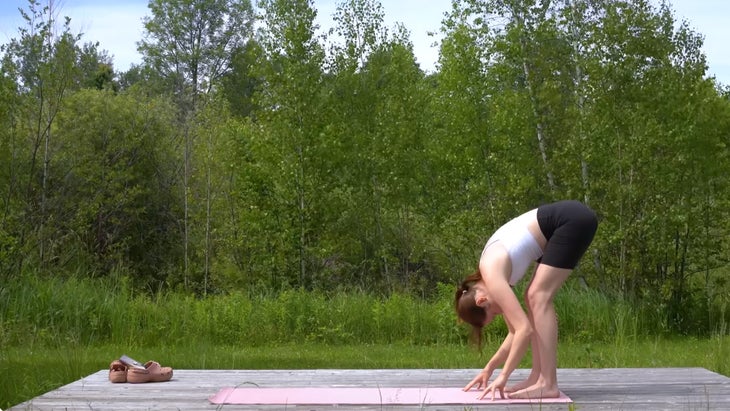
325 191
191 41
239 85
330 163
107 310
57 311
110 183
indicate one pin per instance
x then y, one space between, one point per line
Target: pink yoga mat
385 396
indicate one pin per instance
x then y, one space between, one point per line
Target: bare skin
495 295
540 294
535 372
538 327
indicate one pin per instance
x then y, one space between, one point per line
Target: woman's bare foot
536 391
521 385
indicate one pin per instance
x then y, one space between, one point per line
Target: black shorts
569 227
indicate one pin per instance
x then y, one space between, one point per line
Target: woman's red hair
467 309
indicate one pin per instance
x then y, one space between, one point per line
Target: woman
555 235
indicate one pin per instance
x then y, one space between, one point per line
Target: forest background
248 156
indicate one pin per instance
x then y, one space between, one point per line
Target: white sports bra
521 246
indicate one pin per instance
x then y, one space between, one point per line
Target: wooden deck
590 389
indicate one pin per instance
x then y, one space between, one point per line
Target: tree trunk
208 194
540 127
186 206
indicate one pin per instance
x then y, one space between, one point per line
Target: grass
55 331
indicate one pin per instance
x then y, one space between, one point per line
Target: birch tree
42 64
290 101
190 43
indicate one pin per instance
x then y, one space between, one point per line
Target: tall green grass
53 312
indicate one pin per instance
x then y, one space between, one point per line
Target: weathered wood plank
590 389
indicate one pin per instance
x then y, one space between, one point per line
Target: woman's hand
481 380
497 385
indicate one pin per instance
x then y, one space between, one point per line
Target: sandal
117 372
152 372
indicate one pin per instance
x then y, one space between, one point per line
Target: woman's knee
537 298
545 285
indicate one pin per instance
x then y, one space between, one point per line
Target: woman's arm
514 315
495 268
499 357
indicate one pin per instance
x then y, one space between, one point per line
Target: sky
117 25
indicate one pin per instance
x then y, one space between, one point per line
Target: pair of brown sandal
128 370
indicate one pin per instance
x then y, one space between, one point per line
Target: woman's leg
545 284
534 348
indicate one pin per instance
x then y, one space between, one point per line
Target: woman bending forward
555 235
